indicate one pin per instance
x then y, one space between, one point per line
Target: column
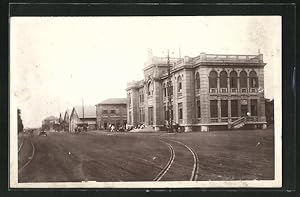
238 84
156 97
218 84
228 84
219 109
239 107
146 105
229 109
188 101
248 86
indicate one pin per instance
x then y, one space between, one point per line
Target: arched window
179 84
213 79
197 81
223 79
233 79
253 79
150 89
243 79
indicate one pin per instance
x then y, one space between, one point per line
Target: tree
20 122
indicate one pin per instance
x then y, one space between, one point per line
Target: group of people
139 126
78 129
175 128
113 128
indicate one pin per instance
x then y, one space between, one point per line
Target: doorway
150 115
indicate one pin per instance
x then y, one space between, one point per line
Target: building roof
113 101
89 111
51 118
68 111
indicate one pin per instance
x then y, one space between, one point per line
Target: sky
58 62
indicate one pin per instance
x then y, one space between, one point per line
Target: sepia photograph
145 102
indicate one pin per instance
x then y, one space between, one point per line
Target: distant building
83 116
208 91
111 111
66 120
49 123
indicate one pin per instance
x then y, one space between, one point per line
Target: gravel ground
104 156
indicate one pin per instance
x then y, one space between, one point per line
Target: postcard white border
276 183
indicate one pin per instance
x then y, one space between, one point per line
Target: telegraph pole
82 111
170 120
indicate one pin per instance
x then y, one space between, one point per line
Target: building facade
111 112
207 91
82 116
66 120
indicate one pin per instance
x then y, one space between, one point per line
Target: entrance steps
239 123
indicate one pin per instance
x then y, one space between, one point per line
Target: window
141 115
104 112
244 107
253 79
166 113
213 79
243 79
117 123
224 108
170 90
150 115
233 79
179 83
150 89
223 79
253 107
180 111
165 91
234 108
198 109
213 109
113 111
197 81
141 97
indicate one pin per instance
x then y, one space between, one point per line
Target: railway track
29 158
168 165
20 146
194 174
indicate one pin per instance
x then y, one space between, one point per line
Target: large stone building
208 91
111 111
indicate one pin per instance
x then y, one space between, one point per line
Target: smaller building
49 123
82 116
111 111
